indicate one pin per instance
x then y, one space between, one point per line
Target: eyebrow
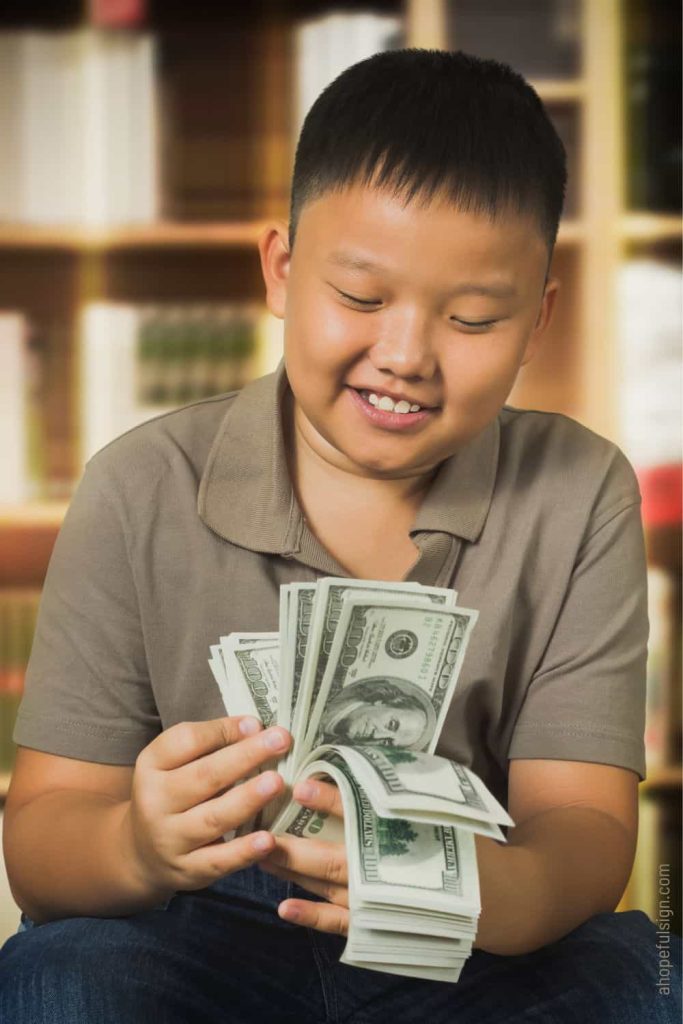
354 262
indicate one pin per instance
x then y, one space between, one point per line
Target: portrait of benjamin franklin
382 709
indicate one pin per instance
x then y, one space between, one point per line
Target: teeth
388 405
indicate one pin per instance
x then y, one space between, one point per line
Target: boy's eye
475 324
361 302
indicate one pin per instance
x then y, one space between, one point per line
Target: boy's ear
273 247
544 316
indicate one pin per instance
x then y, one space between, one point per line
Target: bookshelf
52 270
155 236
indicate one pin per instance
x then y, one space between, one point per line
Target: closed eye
360 302
474 323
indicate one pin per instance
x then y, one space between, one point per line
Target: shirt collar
246 497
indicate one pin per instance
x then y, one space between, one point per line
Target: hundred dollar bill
285 702
296 610
251 664
391 672
217 666
365 671
400 872
425 788
330 594
250 685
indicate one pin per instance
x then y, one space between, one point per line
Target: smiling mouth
413 407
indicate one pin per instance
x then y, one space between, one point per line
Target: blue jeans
221 954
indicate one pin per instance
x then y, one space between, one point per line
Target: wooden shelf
560 90
212 235
666 777
33 514
230 234
650 227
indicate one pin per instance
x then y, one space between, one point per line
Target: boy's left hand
314 864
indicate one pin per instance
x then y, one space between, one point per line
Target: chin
381 465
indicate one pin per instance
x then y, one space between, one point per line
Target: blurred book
21 421
661 487
138 361
327 45
18 613
116 13
649 320
661 667
652 104
540 39
78 120
223 122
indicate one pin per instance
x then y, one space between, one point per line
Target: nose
380 731
405 348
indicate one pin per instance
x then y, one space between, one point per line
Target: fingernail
275 739
261 841
290 913
249 726
267 784
305 791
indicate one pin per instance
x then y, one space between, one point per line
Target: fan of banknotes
362 674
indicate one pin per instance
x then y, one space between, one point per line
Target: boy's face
422 334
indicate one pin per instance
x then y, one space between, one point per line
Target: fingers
338 894
214 861
314 858
186 741
207 776
324 917
205 822
319 796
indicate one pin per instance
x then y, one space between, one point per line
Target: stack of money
362 673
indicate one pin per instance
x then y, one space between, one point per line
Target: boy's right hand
179 808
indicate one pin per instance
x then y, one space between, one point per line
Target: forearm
69 854
558 869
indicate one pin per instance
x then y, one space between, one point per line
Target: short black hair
422 122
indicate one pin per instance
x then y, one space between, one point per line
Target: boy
425 201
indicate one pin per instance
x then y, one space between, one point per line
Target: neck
312 461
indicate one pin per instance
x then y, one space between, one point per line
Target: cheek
477 367
327 329
340 336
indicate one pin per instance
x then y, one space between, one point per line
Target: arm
81 838
568 857
55 875
62 838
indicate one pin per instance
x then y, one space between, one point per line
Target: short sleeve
586 700
87 692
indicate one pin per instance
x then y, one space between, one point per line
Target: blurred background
143 145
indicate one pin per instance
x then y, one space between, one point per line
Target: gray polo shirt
184 528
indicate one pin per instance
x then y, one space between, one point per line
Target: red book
662 490
117 13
